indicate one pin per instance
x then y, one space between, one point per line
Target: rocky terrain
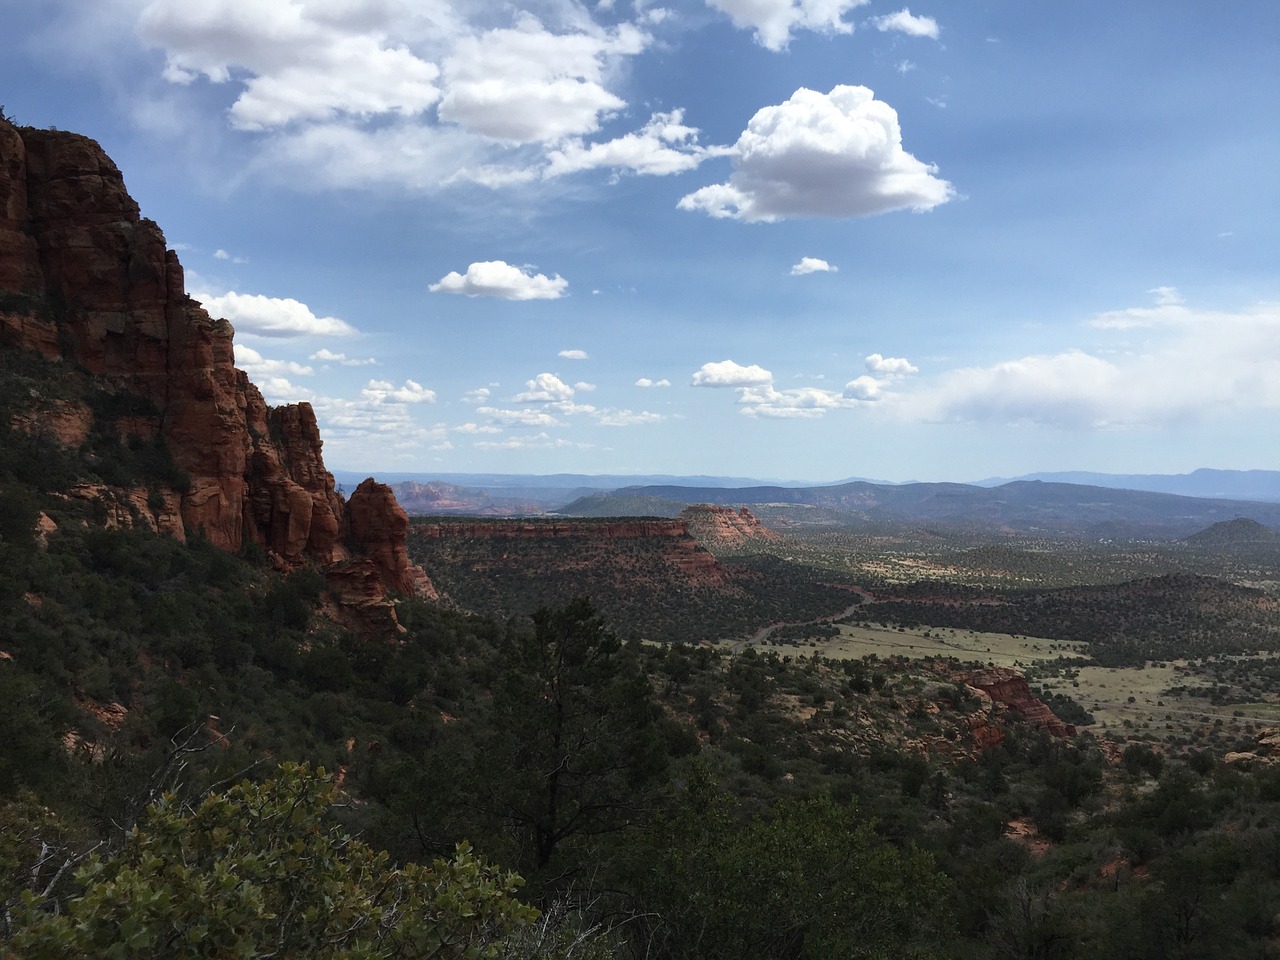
1009 688
724 528
90 285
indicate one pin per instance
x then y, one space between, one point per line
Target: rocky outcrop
716 526
379 529
1266 751
88 281
1009 688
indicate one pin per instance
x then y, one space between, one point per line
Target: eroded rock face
717 526
1009 688
379 528
96 286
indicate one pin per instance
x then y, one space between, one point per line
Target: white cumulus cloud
497 278
727 373
774 20
647 383
811 265
380 391
758 396
254 364
422 96
526 84
863 388
573 354
523 417
544 388
904 22
837 154
890 366
252 313
297 61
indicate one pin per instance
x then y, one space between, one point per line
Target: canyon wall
89 282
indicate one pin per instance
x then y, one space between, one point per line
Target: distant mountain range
1263 485
551 491
1114 506
1022 508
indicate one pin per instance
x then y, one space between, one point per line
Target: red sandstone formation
379 528
717 526
114 303
1008 687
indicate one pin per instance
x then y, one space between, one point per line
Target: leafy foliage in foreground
257 872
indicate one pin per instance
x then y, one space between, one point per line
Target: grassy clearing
997 649
1125 701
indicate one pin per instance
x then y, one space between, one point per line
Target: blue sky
788 239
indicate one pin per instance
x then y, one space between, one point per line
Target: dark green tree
574 741
811 880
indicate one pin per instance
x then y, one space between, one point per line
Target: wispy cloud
774 21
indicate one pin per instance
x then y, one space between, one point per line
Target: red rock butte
718 526
72 238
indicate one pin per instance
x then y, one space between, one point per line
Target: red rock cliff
1009 688
717 526
114 302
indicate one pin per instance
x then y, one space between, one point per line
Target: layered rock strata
718 526
1008 687
90 282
